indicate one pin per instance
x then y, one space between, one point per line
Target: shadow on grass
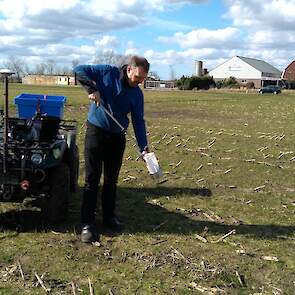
142 216
142 213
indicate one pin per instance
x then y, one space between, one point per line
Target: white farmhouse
245 70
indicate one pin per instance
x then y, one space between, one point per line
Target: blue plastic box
50 105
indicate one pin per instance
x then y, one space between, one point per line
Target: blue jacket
116 96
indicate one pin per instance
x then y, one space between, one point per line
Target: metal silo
199 68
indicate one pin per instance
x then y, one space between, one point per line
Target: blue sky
172 34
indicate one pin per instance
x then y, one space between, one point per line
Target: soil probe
149 158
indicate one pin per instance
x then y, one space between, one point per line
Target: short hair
138 61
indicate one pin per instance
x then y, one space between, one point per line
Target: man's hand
145 151
95 96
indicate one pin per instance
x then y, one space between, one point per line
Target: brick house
289 72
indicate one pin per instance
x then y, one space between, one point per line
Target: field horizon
220 221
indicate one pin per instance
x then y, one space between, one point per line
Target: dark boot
89 234
89 204
113 224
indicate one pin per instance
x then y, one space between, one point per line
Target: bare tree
50 67
16 65
154 75
112 58
28 70
75 62
65 70
40 69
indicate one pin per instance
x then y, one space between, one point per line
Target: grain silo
199 68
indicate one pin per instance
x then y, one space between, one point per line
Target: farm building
159 84
289 72
49 79
153 82
246 70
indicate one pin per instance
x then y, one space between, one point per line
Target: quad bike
39 158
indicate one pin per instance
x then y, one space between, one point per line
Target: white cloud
39 30
107 41
131 51
71 19
17 8
270 15
271 39
31 28
269 28
173 57
204 38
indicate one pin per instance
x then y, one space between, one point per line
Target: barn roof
260 65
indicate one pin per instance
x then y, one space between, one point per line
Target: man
115 91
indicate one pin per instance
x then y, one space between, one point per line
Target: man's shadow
142 212
145 214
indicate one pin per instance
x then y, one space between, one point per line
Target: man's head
137 70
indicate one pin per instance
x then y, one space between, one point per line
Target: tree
17 65
182 83
154 75
219 84
65 70
231 82
75 62
28 70
189 83
40 69
111 58
250 85
50 67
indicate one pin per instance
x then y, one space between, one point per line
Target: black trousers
103 152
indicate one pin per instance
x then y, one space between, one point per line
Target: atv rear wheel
56 206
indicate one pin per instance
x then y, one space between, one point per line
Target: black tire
74 168
56 206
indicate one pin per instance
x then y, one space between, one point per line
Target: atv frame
39 158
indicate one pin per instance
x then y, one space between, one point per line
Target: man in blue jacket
114 91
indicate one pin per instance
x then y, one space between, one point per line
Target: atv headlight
36 159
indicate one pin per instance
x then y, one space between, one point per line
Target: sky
171 34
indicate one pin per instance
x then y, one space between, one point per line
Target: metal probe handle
111 116
116 121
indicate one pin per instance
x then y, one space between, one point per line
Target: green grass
228 164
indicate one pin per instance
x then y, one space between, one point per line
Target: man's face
136 75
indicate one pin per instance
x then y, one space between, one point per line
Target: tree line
206 82
21 68
49 67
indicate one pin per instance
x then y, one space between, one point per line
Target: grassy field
221 222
